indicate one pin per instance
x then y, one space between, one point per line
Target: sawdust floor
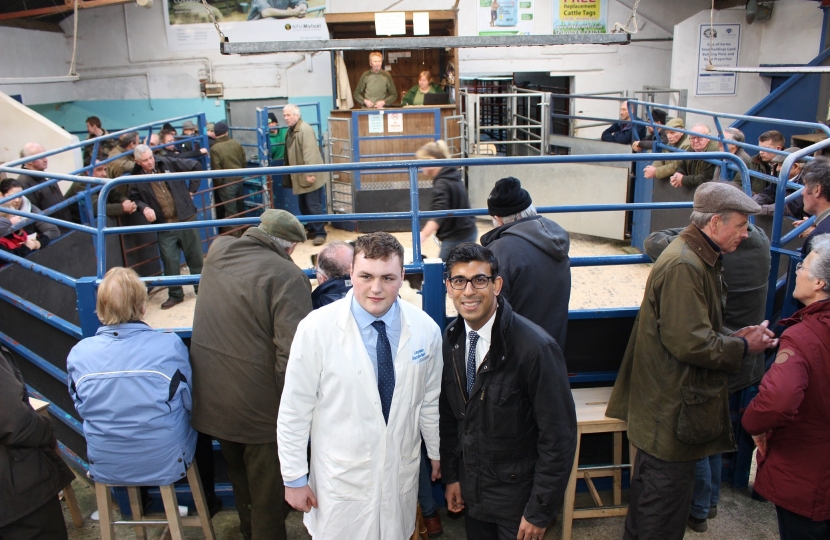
592 287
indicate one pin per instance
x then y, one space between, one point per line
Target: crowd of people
348 403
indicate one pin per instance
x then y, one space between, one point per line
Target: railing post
434 292
641 219
86 288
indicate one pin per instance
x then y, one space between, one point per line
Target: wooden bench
590 418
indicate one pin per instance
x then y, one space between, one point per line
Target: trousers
171 244
44 523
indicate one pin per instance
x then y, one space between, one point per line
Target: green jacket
374 91
301 149
761 166
122 165
277 143
409 98
672 386
698 171
664 169
227 153
114 199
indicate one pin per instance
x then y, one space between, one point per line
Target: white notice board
725 42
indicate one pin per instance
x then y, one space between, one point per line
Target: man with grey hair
531 250
672 387
252 298
301 149
169 202
693 172
48 196
334 263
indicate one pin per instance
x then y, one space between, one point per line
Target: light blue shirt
369 335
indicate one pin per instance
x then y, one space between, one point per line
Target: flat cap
282 224
189 125
676 123
720 197
778 158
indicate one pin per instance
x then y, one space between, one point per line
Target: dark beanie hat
220 128
272 118
508 198
659 115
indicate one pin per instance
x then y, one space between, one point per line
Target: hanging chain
72 71
222 38
711 31
618 28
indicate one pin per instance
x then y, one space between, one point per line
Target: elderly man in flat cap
672 386
251 299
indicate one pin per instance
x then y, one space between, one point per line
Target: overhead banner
505 17
189 26
580 16
724 40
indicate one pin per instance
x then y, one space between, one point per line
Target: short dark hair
94 121
127 139
378 245
7 184
817 173
772 136
469 252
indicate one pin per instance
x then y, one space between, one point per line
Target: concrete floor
739 518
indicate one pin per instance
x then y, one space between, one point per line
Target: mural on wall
724 42
580 16
189 25
505 17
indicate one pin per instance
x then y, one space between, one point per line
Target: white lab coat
364 472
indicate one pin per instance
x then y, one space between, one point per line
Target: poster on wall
580 16
189 26
505 17
724 40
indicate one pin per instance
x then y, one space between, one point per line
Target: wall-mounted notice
724 40
376 122
420 23
189 26
580 16
394 122
505 17
390 24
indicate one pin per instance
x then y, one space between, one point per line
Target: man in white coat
364 407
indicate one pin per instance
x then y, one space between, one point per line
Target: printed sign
190 28
394 122
580 16
505 17
724 40
376 123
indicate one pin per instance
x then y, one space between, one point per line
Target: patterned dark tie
471 362
386 369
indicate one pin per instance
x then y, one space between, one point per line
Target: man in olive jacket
507 418
672 386
251 299
227 153
31 473
301 149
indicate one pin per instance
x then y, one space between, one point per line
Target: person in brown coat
251 298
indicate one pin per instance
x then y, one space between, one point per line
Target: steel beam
429 42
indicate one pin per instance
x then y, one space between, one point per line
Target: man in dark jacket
622 132
252 298
227 153
31 472
816 195
47 197
766 198
507 418
169 202
647 142
533 255
694 172
672 384
762 161
334 263
746 272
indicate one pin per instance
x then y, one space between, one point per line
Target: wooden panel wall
404 72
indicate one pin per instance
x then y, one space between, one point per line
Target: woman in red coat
789 419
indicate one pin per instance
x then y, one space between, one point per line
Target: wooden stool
590 418
420 532
171 507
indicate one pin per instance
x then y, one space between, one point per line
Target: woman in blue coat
131 386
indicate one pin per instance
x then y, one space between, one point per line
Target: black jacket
622 132
534 264
512 443
331 291
647 142
143 195
31 472
449 193
45 198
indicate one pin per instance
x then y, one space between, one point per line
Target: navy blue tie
471 362
386 370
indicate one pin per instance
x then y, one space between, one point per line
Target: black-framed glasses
480 281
